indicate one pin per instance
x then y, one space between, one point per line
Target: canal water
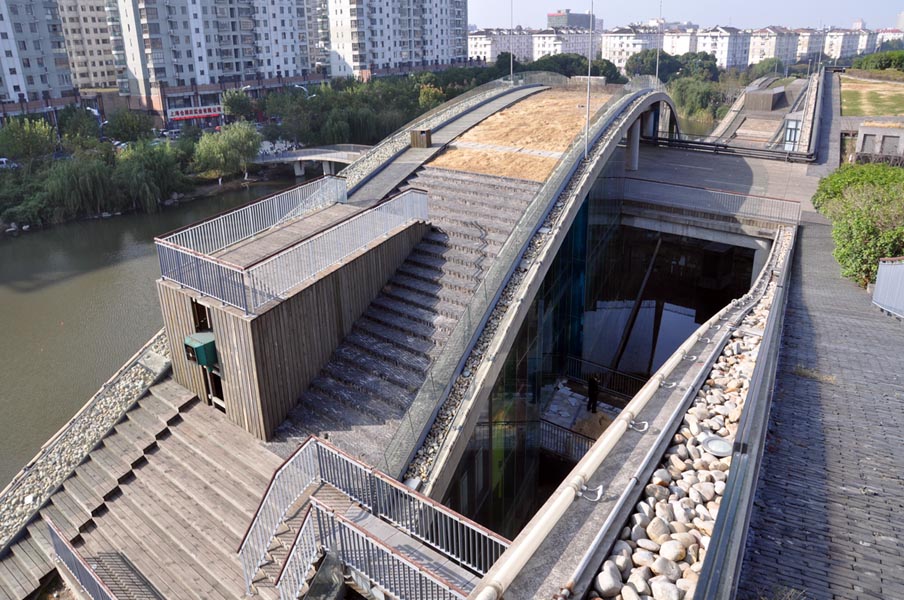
75 302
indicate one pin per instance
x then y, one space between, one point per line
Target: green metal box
201 348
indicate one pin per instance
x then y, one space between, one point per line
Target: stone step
443 217
408 343
372 407
469 231
401 376
352 430
426 316
479 179
368 383
430 275
388 352
444 267
484 247
433 289
422 300
405 326
482 201
445 252
481 215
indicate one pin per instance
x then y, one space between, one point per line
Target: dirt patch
871 98
548 121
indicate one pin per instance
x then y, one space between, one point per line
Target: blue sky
793 13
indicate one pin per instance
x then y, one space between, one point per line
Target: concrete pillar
632 151
760 256
647 123
298 165
328 168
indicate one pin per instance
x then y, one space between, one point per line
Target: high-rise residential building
565 19
858 25
867 41
810 43
773 42
367 36
35 67
620 43
888 35
87 35
841 43
730 45
565 41
487 44
679 41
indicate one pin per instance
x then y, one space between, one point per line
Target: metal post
589 62
659 38
512 41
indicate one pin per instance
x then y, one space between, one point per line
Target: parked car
6 163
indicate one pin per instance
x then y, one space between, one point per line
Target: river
75 302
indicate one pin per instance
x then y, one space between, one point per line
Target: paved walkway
409 161
829 512
829 152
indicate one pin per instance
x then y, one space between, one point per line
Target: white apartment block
487 44
87 37
841 43
888 35
867 41
565 41
34 66
678 42
810 43
729 45
773 42
369 35
620 43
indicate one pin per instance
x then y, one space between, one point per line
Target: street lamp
659 38
589 64
512 41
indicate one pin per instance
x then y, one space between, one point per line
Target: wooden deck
286 235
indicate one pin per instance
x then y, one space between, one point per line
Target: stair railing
305 550
86 577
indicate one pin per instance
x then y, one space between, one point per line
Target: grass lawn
871 99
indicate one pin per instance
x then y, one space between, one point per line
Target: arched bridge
328 155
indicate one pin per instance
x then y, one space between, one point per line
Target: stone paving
828 517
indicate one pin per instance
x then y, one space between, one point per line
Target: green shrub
851 176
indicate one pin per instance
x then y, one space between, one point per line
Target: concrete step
480 200
352 430
431 275
484 247
422 300
368 383
406 327
447 253
424 315
405 378
469 231
433 289
479 179
447 218
408 342
388 352
372 407
465 272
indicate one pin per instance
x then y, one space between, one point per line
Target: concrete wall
269 360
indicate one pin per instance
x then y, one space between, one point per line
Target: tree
230 150
76 121
430 96
693 95
765 67
27 141
146 175
291 107
700 65
129 126
568 65
604 68
503 62
81 187
644 63
237 104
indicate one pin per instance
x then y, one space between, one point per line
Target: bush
866 206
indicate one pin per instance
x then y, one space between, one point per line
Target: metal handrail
401 576
303 553
889 291
616 382
86 576
316 460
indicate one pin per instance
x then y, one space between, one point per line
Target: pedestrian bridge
339 153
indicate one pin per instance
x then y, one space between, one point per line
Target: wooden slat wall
268 361
295 339
175 304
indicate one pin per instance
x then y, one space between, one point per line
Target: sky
794 13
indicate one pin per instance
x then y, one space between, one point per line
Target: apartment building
487 44
729 45
841 43
565 41
773 42
87 36
619 44
677 42
35 67
888 35
867 41
810 43
565 19
367 36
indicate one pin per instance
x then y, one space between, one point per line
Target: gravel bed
661 549
33 486
422 464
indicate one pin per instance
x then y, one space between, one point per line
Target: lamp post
659 38
589 63
512 41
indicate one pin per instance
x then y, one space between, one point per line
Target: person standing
593 392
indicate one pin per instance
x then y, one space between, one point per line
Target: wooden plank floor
288 234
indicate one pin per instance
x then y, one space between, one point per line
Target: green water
75 302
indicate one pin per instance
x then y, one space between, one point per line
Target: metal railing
416 423
249 288
446 531
615 382
247 221
563 441
76 565
889 292
402 577
707 200
304 553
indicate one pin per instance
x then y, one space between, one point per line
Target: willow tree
230 150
